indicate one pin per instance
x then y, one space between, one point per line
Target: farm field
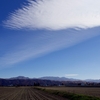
90 91
26 93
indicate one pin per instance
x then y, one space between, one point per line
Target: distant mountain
20 77
18 81
47 81
59 78
68 79
47 78
52 78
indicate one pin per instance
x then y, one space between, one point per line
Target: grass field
91 91
74 93
25 93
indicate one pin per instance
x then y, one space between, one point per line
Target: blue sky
47 38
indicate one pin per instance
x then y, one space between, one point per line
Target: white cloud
38 44
71 75
56 15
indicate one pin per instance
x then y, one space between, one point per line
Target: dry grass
90 91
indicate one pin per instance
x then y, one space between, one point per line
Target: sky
50 38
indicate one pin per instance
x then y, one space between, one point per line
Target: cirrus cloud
45 42
55 15
71 75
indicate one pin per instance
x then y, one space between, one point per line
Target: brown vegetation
90 91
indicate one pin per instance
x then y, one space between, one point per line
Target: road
26 93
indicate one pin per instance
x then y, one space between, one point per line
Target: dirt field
25 93
91 91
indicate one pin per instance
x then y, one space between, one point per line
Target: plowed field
25 93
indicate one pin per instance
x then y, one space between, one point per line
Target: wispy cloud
71 75
52 15
55 15
44 43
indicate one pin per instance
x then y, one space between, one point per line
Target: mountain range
46 81
57 79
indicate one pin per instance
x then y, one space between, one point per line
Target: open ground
26 93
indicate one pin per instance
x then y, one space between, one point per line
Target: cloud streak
44 43
55 15
71 75
51 15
